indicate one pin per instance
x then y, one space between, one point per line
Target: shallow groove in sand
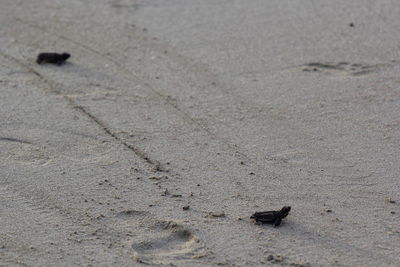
156 165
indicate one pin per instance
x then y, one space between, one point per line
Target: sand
174 121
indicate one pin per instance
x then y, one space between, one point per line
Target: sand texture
174 121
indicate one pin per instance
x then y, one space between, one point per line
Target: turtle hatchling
273 217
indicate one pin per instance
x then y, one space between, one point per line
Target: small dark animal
52 58
273 217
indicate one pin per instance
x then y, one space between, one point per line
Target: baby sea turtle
52 58
273 217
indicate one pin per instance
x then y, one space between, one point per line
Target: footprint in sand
167 242
340 68
155 241
125 5
30 154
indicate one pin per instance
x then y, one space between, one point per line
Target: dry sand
228 107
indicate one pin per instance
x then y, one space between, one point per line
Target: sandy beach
174 121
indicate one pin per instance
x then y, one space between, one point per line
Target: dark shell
52 58
274 217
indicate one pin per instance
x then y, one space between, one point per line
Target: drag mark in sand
10 139
106 129
156 165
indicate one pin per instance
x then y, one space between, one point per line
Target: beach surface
174 121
